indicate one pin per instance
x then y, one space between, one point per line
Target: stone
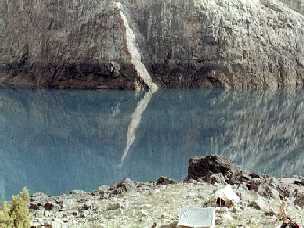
275 194
172 225
270 213
253 186
259 204
217 178
299 199
227 218
254 205
254 175
205 167
33 206
165 181
125 185
113 206
84 214
265 190
192 181
86 207
289 224
300 183
77 192
39 196
48 206
67 204
103 188
226 197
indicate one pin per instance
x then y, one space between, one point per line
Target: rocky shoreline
264 201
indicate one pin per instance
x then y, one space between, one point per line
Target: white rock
228 195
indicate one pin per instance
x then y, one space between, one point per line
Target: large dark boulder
207 167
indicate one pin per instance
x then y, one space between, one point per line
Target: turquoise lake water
56 141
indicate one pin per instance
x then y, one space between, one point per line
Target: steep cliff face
64 44
192 43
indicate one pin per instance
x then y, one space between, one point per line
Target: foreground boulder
214 43
216 169
208 168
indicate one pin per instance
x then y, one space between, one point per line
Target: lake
55 141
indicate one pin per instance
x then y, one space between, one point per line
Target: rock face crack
134 52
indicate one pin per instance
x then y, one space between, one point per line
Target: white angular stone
228 195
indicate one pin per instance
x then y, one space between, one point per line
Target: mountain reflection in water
55 141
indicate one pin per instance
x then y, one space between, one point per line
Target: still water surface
56 141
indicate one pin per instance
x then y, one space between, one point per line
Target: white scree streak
134 52
143 73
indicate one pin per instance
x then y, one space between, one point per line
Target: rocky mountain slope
192 43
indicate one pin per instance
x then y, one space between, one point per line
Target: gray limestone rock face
183 44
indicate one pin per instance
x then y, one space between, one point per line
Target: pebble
49 206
